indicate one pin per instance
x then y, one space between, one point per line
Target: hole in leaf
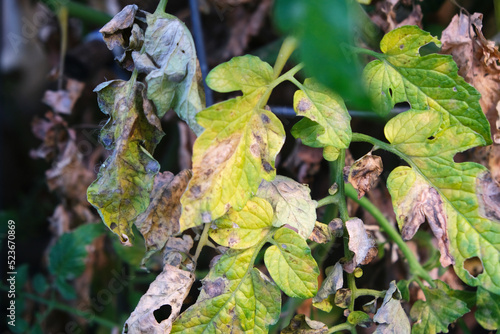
431 138
402 106
390 92
474 266
162 313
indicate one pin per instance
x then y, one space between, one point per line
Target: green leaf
404 288
437 312
40 283
359 318
327 123
67 256
488 309
291 265
326 32
428 82
237 149
121 191
390 316
174 81
291 202
245 228
447 193
235 298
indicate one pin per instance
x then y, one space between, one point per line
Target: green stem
341 327
356 49
86 14
370 292
351 283
327 200
287 48
415 267
65 308
338 167
287 76
162 5
203 241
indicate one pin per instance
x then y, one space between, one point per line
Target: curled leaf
364 173
300 324
114 31
416 202
161 218
169 288
333 282
360 243
63 101
321 233
391 316
292 204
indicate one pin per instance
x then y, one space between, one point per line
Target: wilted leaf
161 218
415 202
488 309
333 281
170 288
336 226
391 316
67 256
428 82
321 233
292 204
364 173
245 228
55 134
300 324
238 147
392 14
437 312
235 298
471 234
343 297
63 101
327 122
114 31
173 78
121 191
176 249
291 265
362 244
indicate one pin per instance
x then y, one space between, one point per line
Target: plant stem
338 167
86 14
287 48
341 327
91 317
370 292
415 267
287 76
203 241
162 5
356 49
326 200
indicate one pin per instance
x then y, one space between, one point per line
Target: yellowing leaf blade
291 264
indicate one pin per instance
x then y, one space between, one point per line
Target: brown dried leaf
300 324
54 133
114 31
321 233
63 101
392 14
175 250
169 288
360 243
364 173
161 218
336 227
304 161
488 194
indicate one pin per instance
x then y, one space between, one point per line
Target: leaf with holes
445 189
326 123
425 82
121 191
169 290
437 312
291 265
238 147
245 228
235 298
291 202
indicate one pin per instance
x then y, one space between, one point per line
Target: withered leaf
55 134
321 233
300 324
114 31
391 316
291 202
176 249
169 288
360 243
488 194
418 202
121 191
364 173
333 282
63 101
161 218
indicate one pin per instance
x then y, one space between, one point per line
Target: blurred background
49 149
